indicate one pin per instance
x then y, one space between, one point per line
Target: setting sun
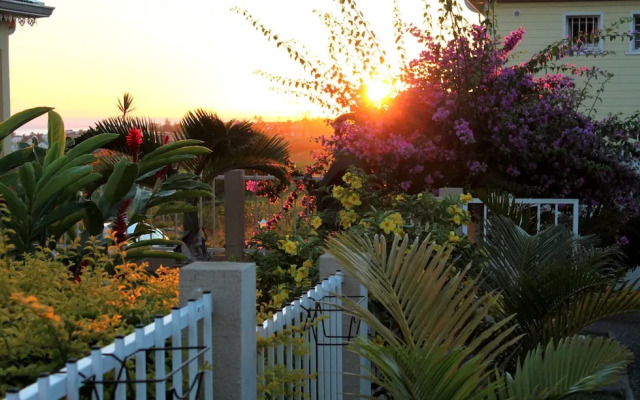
378 90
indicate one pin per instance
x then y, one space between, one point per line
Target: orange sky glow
172 56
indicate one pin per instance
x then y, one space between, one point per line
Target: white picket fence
316 319
96 369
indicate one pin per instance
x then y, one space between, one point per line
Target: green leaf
15 204
52 154
16 159
186 194
149 166
161 151
139 253
175 208
91 144
17 120
57 185
575 364
118 185
56 132
153 242
28 180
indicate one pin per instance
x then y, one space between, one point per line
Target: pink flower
251 186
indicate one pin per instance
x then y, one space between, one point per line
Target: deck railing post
234 197
233 334
353 366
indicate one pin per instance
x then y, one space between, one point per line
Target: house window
636 29
582 31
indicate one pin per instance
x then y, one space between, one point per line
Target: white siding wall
544 24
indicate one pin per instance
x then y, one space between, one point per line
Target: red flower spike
119 225
134 140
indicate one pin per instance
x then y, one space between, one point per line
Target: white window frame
598 14
634 51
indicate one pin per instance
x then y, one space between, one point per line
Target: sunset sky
172 56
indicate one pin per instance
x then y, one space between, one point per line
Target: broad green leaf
139 203
175 208
57 185
139 253
149 166
49 171
82 183
16 159
52 154
28 180
59 214
56 132
153 242
59 227
169 147
93 221
91 144
17 120
118 185
187 194
15 204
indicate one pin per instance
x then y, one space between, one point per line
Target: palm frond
234 145
430 305
504 204
436 373
575 364
152 138
544 277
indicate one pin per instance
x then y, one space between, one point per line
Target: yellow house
12 14
547 21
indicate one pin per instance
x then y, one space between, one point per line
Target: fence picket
121 373
192 330
141 363
176 353
73 387
97 372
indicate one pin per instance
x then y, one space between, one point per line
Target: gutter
23 9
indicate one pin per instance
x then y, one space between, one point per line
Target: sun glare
378 90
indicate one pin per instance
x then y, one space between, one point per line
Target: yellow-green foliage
280 381
47 316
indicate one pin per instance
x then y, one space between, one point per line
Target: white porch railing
316 320
106 367
541 206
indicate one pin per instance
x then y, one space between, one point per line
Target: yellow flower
316 222
437 247
387 225
456 219
397 219
453 238
293 269
291 247
400 198
419 196
354 198
364 224
352 180
465 198
313 232
347 218
338 192
307 264
454 210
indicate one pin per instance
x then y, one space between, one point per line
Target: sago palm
554 283
442 343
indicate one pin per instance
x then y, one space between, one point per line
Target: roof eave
21 9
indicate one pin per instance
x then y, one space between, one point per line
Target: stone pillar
447 191
5 109
234 194
353 365
233 289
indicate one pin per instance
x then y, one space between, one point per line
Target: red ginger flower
134 140
119 226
